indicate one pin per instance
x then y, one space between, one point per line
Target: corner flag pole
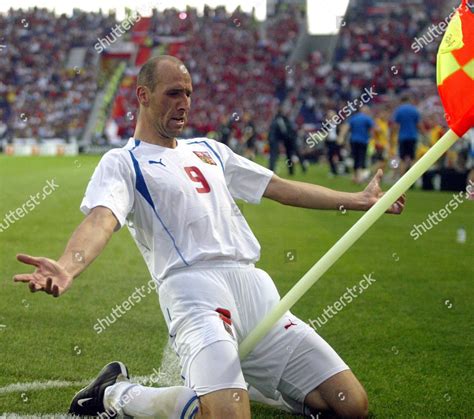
346 241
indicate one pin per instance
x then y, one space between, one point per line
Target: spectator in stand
406 120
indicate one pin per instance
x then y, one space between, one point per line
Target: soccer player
177 200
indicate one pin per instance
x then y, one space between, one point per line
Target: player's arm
306 195
85 244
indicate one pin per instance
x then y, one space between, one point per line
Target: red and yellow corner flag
455 72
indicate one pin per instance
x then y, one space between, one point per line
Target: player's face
170 101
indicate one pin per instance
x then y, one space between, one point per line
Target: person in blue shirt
407 126
361 126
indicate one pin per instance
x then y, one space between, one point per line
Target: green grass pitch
408 337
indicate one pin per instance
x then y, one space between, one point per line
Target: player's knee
229 403
355 406
360 409
350 403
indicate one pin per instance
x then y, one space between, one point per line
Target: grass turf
408 337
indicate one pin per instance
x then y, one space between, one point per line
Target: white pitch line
40 385
169 376
45 385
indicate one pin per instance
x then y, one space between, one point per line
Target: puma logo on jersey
157 162
287 326
226 318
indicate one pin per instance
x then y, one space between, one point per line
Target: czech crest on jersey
205 157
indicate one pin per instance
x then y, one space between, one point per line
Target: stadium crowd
236 71
39 96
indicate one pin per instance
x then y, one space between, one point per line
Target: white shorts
292 359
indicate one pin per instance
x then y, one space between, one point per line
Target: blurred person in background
333 147
433 131
283 131
470 137
360 128
3 125
380 140
406 122
249 137
225 130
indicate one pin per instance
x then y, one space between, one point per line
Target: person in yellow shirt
434 131
380 143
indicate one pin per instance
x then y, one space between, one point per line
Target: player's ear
143 95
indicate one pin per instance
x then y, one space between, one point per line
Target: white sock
161 403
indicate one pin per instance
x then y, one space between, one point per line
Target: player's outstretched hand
49 275
374 192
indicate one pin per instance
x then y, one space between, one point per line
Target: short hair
148 74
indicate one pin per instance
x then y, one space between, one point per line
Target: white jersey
178 203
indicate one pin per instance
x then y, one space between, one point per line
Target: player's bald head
155 68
